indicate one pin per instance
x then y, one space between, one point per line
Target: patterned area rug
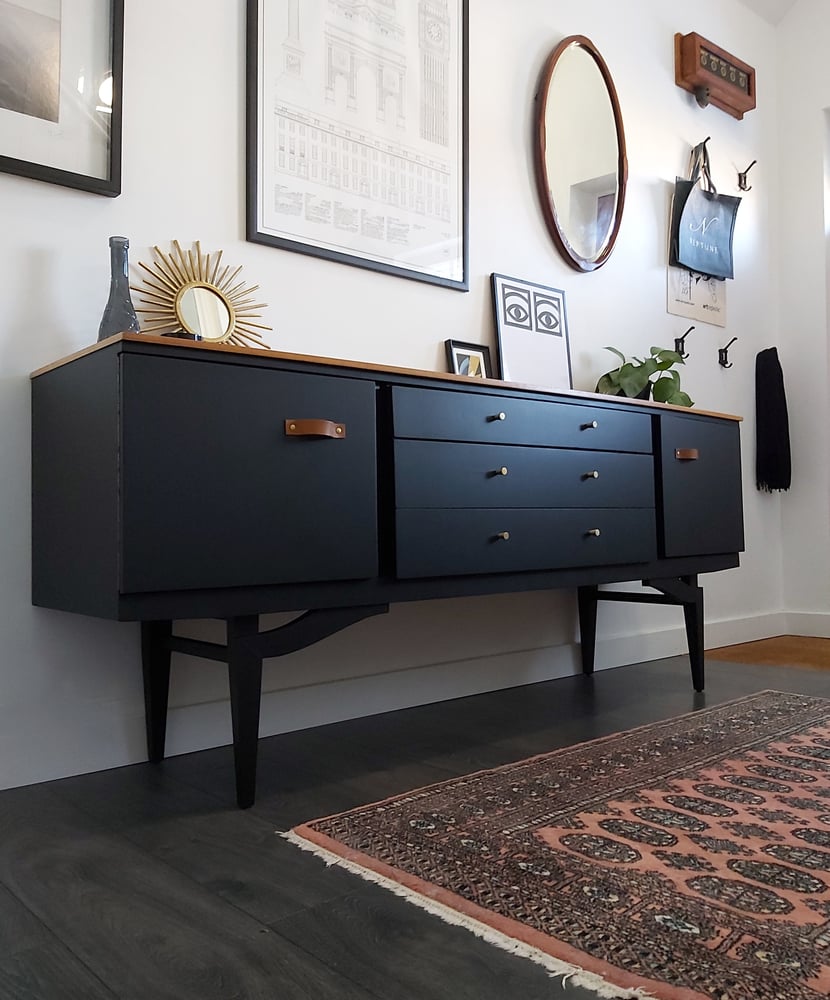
684 860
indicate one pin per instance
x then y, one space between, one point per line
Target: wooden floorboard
147 882
35 963
781 650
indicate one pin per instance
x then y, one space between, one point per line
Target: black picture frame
312 214
460 354
84 124
532 333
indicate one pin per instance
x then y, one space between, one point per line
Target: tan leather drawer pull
314 428
686 454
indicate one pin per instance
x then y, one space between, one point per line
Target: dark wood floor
146 882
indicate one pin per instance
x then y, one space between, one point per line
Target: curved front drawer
462 542
447 474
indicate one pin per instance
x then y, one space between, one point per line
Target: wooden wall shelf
713 75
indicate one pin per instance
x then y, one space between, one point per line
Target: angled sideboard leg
244 651
587 603
245 682
693 615
683 591
155 663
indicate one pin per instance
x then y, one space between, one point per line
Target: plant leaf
633 380
608 384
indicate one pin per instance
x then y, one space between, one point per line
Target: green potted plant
641 378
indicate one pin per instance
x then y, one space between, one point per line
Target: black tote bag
702 221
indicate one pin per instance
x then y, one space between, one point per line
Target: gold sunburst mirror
192 293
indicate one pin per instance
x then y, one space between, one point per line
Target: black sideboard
179 480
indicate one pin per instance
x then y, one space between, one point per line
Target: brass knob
502 471
594 532
591 426
504 536
498 416
591 475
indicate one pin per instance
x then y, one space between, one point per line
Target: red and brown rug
686 859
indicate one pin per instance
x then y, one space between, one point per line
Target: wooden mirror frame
571 256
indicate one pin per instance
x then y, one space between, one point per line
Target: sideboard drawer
459 542
444 415
215 492
448 474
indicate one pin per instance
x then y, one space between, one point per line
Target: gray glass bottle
119 314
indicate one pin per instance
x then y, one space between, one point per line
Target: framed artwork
469 359
532 328
357 133
60 92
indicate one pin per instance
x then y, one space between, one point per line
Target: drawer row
457 542
446 474
443 415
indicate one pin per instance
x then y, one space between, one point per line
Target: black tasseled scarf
773 469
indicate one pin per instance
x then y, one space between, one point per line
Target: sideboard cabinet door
215 493
700 476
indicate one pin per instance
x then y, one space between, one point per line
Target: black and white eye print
516 308
532 328
547 313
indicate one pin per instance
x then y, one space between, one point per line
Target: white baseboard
656 645
318 704
728 633
812 623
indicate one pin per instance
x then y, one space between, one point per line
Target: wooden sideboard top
201 345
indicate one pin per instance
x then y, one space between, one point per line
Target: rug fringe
554 966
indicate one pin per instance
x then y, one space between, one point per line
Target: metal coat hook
742 184
702 95
680 343
723 358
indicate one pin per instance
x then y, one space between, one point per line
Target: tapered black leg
245 680
587 602
693 615
155 663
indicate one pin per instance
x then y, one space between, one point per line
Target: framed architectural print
357 133
532 329
60 92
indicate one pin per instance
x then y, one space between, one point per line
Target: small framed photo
472 360
532 328
60 92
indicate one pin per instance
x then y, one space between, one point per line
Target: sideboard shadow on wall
581 164
374 485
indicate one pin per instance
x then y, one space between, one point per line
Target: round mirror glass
203 312
581 162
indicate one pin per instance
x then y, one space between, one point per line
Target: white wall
804 98
70 689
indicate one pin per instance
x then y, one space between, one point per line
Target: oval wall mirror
580 153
